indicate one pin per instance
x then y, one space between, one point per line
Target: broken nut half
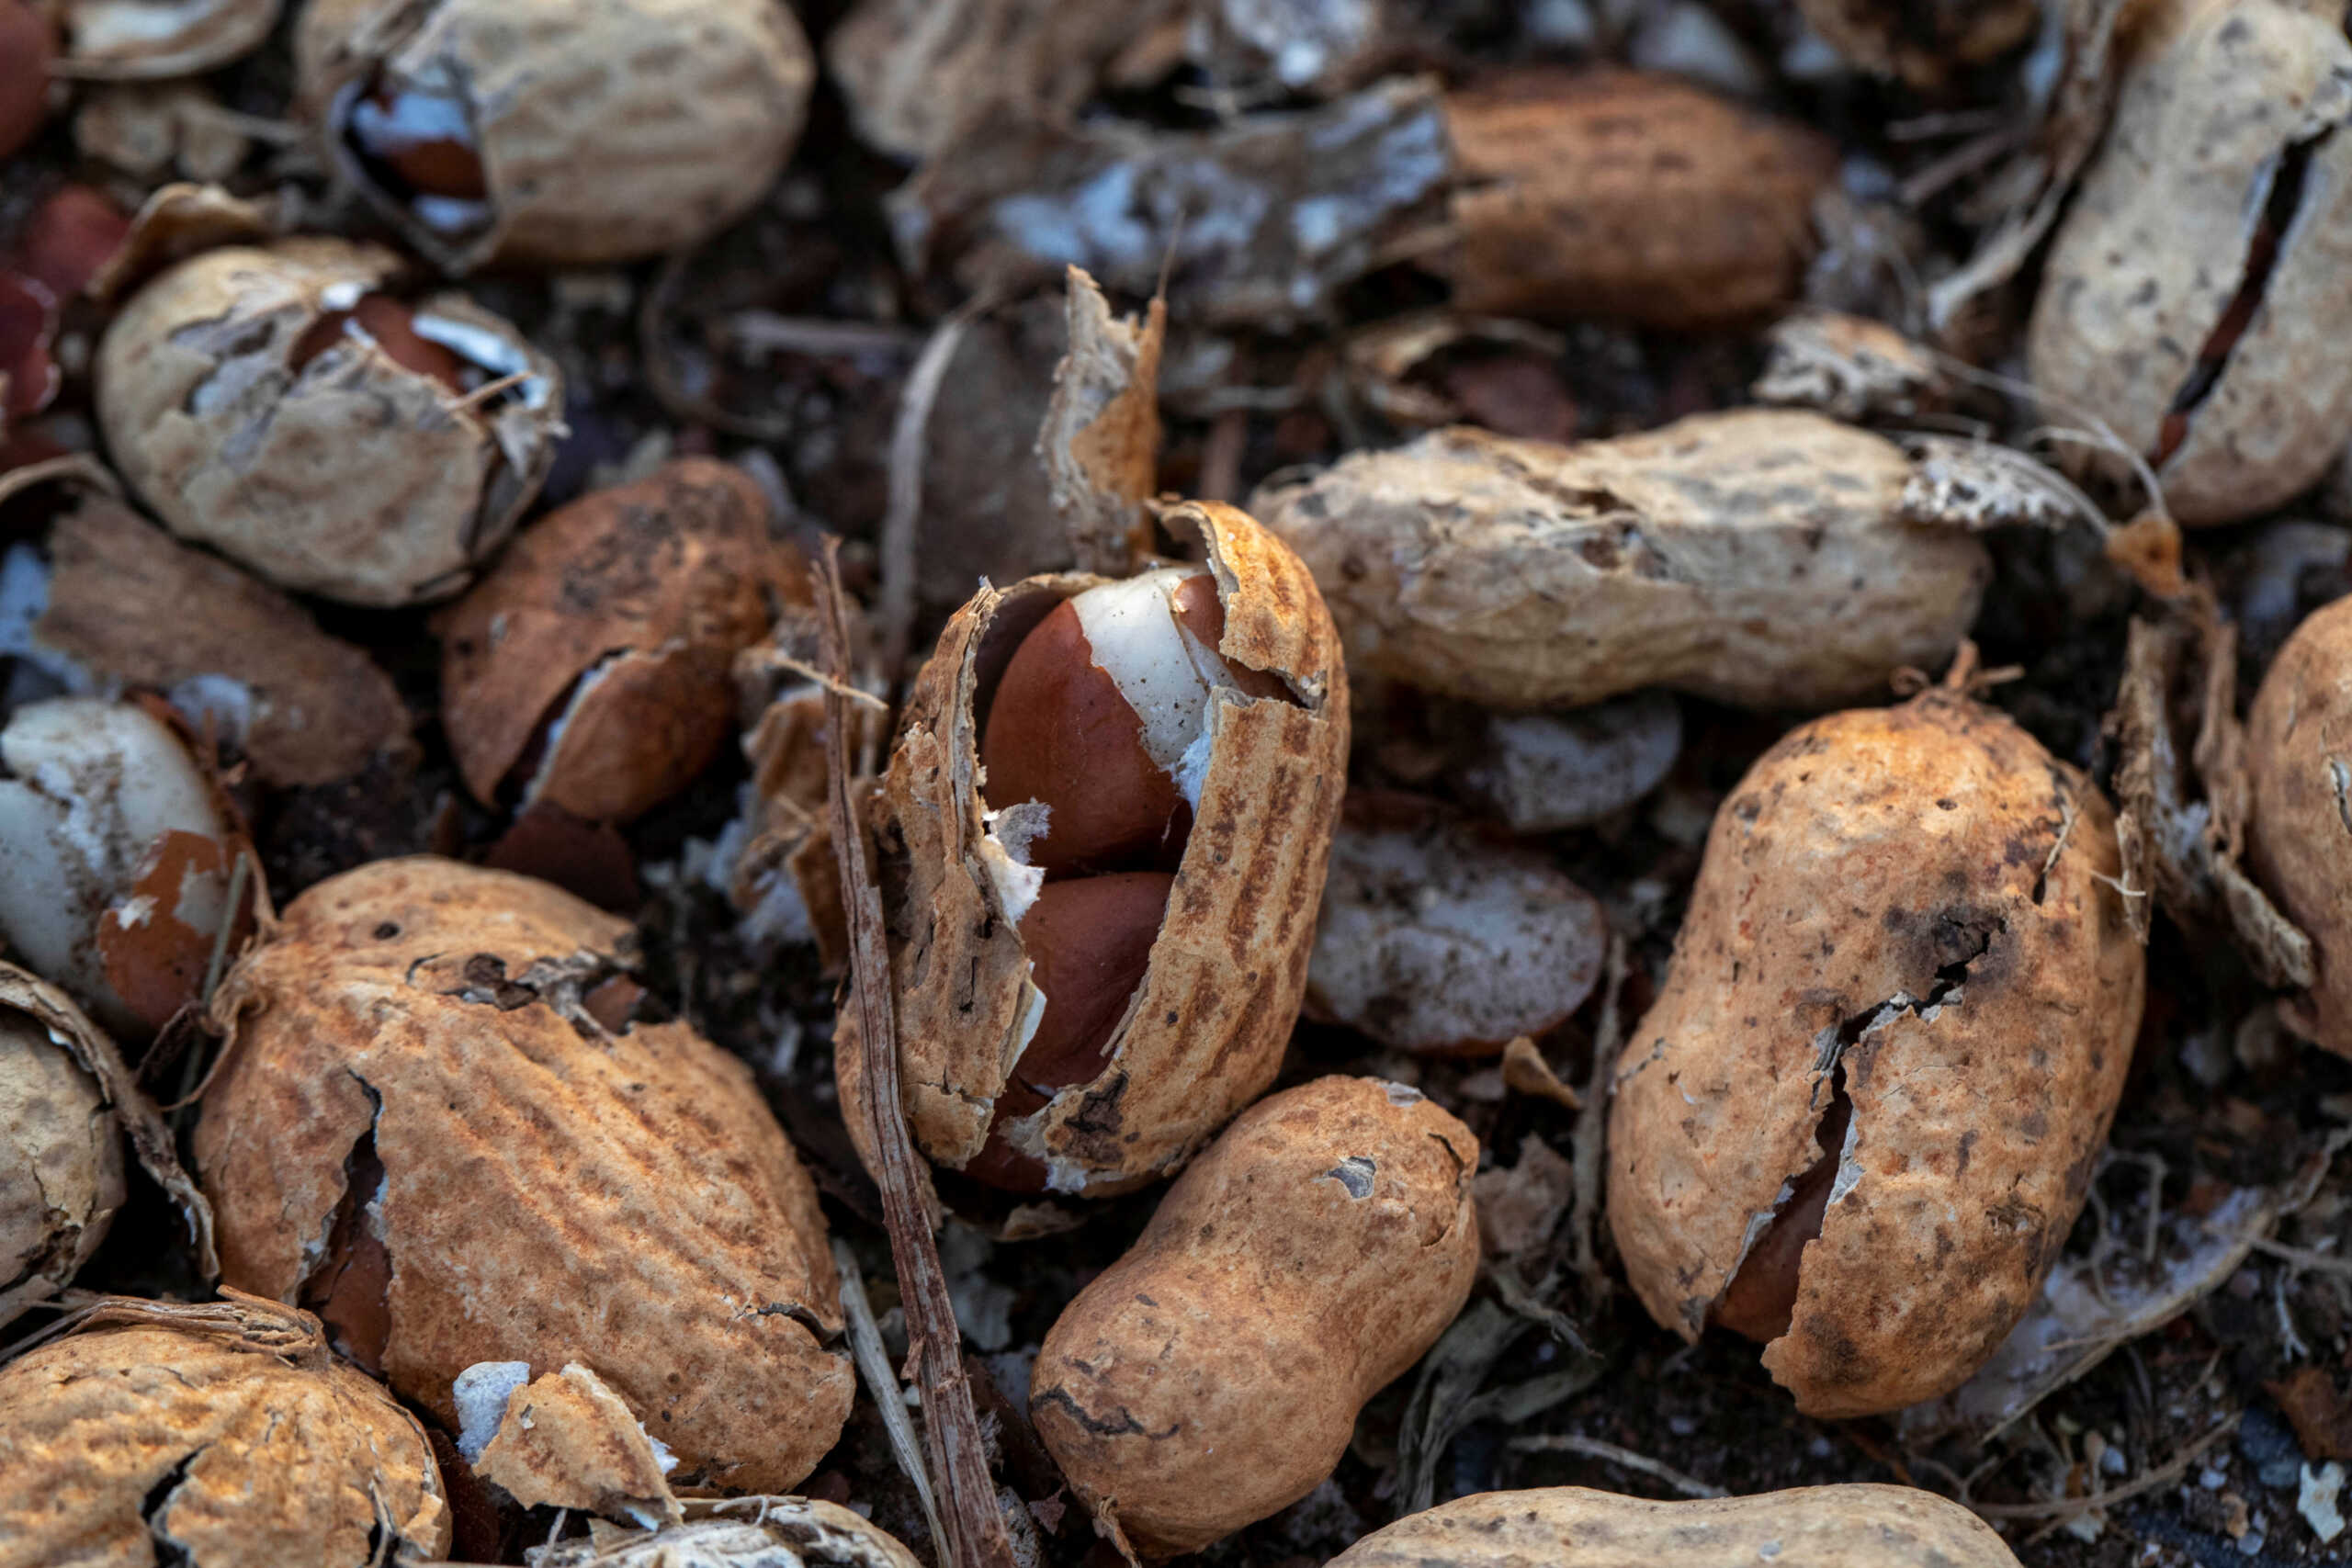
1107 821
503 131
1862 1113
287 407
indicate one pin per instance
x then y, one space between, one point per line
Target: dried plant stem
1609 1453
975 1532
873 1366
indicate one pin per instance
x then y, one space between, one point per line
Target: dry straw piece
1214 1374
2192 298
555 132
219 1436
1765 558
244 404
438 1122
1907 919
1818 1526
1205 1031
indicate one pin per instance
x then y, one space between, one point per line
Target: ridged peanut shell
1213 1375
219 1436
1761 556
61 1159
553 1191
607 129
350 476
2299 834
1624 195
1568 1526
1916 902
2148 274
1206 1031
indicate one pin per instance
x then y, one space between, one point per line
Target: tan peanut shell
607 129
1626 194
61 1159
2176 250
1568 1526
556 1186
1213 1374
139 41
611 627
1761 556
1911 904
2299 754
354 477
219 1436
1206 1030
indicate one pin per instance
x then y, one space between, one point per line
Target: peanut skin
1568 1526
1212 1376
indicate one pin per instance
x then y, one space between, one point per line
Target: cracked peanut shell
1204 1033
2299 835
246 415
602 646
2195 292
222 1435
1213 1375
596 131
1857 1526
1765 558
437 1122
1905 918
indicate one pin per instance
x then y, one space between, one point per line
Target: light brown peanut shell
555 1187
606 130
352 477
1911 906
2299 837
139 41
219 1436
1206 1033
1625 195
1763 558
611 628
1568 1526
1213 1374
2215 225
60 1158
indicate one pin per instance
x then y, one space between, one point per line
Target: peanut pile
1019 784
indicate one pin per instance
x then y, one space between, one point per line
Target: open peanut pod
1104 836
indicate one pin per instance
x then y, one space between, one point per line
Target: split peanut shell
1204 1033
550 1182
1908 915
2299 755
223 1435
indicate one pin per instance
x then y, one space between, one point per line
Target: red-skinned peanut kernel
26 46
392 325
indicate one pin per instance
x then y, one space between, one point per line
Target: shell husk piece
1980 1001
1213 1375
552 1192
224 1430
1760 557
119 41
607 129
1860 1525
1206 1033
355 479
740 1532
2160 240
568 1441
66 1025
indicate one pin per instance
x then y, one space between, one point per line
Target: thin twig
1590 1122
842 689
874 1365
2067 1507
976 1535
1625 1459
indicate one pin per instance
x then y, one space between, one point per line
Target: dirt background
2216 1098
